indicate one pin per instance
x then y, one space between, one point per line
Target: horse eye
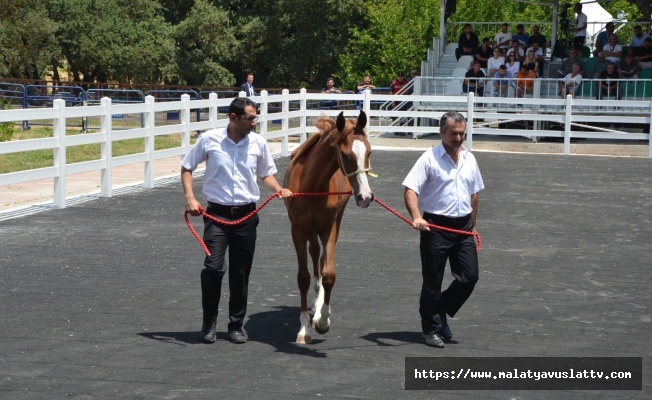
344 155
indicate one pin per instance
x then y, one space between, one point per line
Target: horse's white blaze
364 190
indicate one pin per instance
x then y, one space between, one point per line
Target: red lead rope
251 214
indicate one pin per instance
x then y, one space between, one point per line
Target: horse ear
341 122
362 120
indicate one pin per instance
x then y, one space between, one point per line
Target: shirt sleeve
196 155
266 165
418 175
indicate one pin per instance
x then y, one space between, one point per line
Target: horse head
353 152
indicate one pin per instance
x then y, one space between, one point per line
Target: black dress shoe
237 337
433 340
445 330
207 334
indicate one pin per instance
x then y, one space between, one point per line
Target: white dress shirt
443 187
231 169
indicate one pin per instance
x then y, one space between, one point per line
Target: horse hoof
304 339
321 330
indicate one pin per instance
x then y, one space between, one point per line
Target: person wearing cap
522 37
467 42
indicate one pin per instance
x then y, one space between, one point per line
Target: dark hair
239 104
400 73
502 66
455 116
520 26
330 78
485 40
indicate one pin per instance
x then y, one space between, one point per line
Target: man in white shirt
235 157
444 183
503 38
579 29
613 51
571 82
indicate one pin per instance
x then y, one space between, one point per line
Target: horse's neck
321 164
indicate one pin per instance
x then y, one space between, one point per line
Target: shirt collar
440 151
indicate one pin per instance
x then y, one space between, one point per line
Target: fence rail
558 118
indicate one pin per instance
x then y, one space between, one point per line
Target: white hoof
304 339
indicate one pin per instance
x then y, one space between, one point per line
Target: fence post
366 103
106 148
285 124
567 124
264 102
212 114
185 120
649 135
149 142
302 122
469 120
60 153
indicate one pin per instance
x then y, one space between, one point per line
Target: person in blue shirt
503 79
523 38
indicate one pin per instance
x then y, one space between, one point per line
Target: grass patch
27 160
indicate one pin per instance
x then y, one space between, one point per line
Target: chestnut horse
334 160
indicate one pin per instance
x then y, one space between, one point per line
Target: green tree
291 43
113 40
205 42
396 37
27 43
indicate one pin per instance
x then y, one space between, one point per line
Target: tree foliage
395 36
27 43
118 40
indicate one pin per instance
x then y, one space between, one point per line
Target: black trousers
436 248
240 240
578 44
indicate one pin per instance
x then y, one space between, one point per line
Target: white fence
294 114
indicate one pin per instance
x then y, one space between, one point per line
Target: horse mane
326 127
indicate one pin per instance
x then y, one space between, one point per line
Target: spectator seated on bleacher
474 80
522 37
503 39
502 82
628 67
571 82
638 40
608 83
467 43
595 66
516 49
525 81
484 53
603 38
495 62
535 54
512 64
644 55
567 64
613 51
531 63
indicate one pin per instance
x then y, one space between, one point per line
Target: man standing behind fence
235 157
445 182
248 87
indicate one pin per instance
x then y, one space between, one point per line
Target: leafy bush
6 128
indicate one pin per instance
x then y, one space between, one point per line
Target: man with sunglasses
235 158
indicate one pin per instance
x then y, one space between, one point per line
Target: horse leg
303 281
315 249
321 320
